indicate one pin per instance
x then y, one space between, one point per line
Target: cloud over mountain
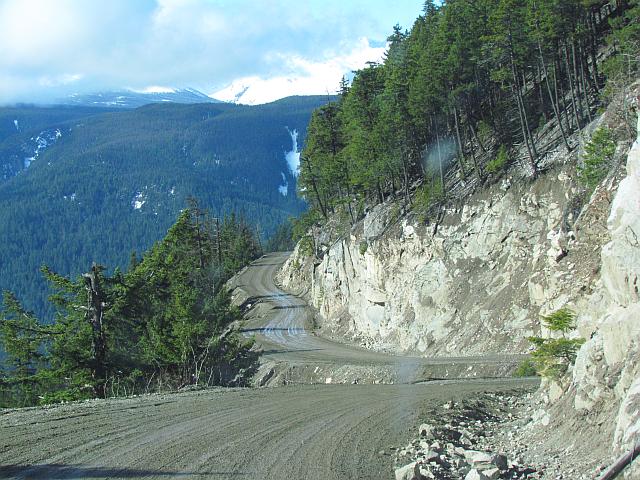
53 48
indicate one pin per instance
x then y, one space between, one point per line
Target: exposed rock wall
607 371
475 284
479 282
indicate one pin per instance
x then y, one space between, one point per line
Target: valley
460 292
80 184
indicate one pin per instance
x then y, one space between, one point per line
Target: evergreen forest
164 323
98 184
473 88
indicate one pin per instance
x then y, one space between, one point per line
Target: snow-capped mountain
137 98
257 91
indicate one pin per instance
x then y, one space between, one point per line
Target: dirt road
282 324
290 432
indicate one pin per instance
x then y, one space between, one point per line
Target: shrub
526 369
306 246
484 131
498 163
597 158
427 195
552 356
304 222
363 247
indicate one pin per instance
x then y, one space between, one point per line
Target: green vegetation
552 356
597 158
426 197
623 67
499 162
282 239
77 201
164 324
362 248
526 369
456 97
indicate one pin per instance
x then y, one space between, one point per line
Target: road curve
286 336
324 432
295 432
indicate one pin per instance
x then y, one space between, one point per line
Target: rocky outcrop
606 377
479 280
476 283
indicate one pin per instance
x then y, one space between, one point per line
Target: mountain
256 90
83 185
135 99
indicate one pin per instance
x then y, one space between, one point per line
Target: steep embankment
601 398
479 281
292 352
475 283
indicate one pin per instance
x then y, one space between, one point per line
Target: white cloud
52 46
60 80
305 77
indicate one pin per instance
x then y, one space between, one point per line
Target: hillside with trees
164 323
83 185
473 88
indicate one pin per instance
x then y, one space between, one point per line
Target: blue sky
272 48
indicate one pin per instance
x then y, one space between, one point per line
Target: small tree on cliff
553 356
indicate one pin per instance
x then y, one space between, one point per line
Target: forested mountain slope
82 187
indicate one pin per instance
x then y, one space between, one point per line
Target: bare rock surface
475 283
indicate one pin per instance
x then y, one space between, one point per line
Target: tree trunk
474 134
541 93
593 46
476 166
444 189
315 191
571 86
579 92
460 149
523 117
95 311
583 79
553 104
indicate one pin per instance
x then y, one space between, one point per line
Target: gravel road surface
283 327
291 432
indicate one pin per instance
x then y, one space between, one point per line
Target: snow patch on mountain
39 144
138 201
132 98
293 156
284 188
17 125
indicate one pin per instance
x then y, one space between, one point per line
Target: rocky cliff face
606 377
476 283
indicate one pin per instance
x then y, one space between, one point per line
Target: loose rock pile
449 447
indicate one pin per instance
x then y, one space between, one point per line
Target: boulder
475 474
409 472
425 430
500 461
492 473
475 457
